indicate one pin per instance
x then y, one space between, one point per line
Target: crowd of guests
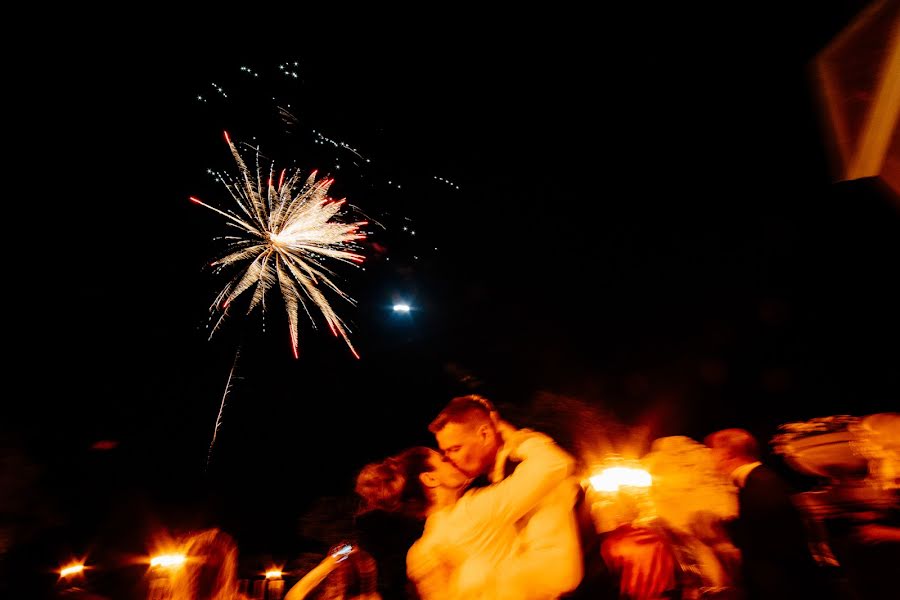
497 512
500 513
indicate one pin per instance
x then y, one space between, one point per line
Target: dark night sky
645 221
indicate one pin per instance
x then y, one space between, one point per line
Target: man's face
468 446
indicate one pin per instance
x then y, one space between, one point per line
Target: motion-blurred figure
210 568
854 511
769 530
387 536
693 502
549 543
469 545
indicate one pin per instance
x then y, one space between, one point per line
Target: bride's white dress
470 550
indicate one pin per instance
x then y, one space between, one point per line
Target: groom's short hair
739 442
472 408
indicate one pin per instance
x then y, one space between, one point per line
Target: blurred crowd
496 511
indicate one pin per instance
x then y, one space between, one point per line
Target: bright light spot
610 480
167 560
71 570
274 574
402 308
342 553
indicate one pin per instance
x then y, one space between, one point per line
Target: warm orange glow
858 75
167 560
73 569
274 574
611 479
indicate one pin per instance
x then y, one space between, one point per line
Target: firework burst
286 231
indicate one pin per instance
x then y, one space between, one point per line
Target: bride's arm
429 574
544 465
309 581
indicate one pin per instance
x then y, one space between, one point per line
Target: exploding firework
286 232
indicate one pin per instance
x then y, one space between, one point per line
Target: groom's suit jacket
772 538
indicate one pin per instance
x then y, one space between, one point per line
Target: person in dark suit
769 530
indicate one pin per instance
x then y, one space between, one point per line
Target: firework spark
222 408
286 237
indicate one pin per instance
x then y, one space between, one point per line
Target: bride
469 544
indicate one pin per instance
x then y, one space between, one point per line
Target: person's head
467 434
407 483
732 448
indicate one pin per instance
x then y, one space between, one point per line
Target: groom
469 433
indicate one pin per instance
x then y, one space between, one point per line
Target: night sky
644 221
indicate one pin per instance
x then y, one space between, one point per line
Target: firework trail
285 237
222 407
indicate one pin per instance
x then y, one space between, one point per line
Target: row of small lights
608 480
162 561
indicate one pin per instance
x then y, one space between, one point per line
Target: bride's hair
393 485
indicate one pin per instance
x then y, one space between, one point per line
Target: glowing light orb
168 560
72 569
613 478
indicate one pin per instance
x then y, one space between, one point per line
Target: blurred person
549 547
769 530
386 530
650 559
210 568
719 558
862 528
468 549
692 502
642 562
634 547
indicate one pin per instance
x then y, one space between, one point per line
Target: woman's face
445 472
